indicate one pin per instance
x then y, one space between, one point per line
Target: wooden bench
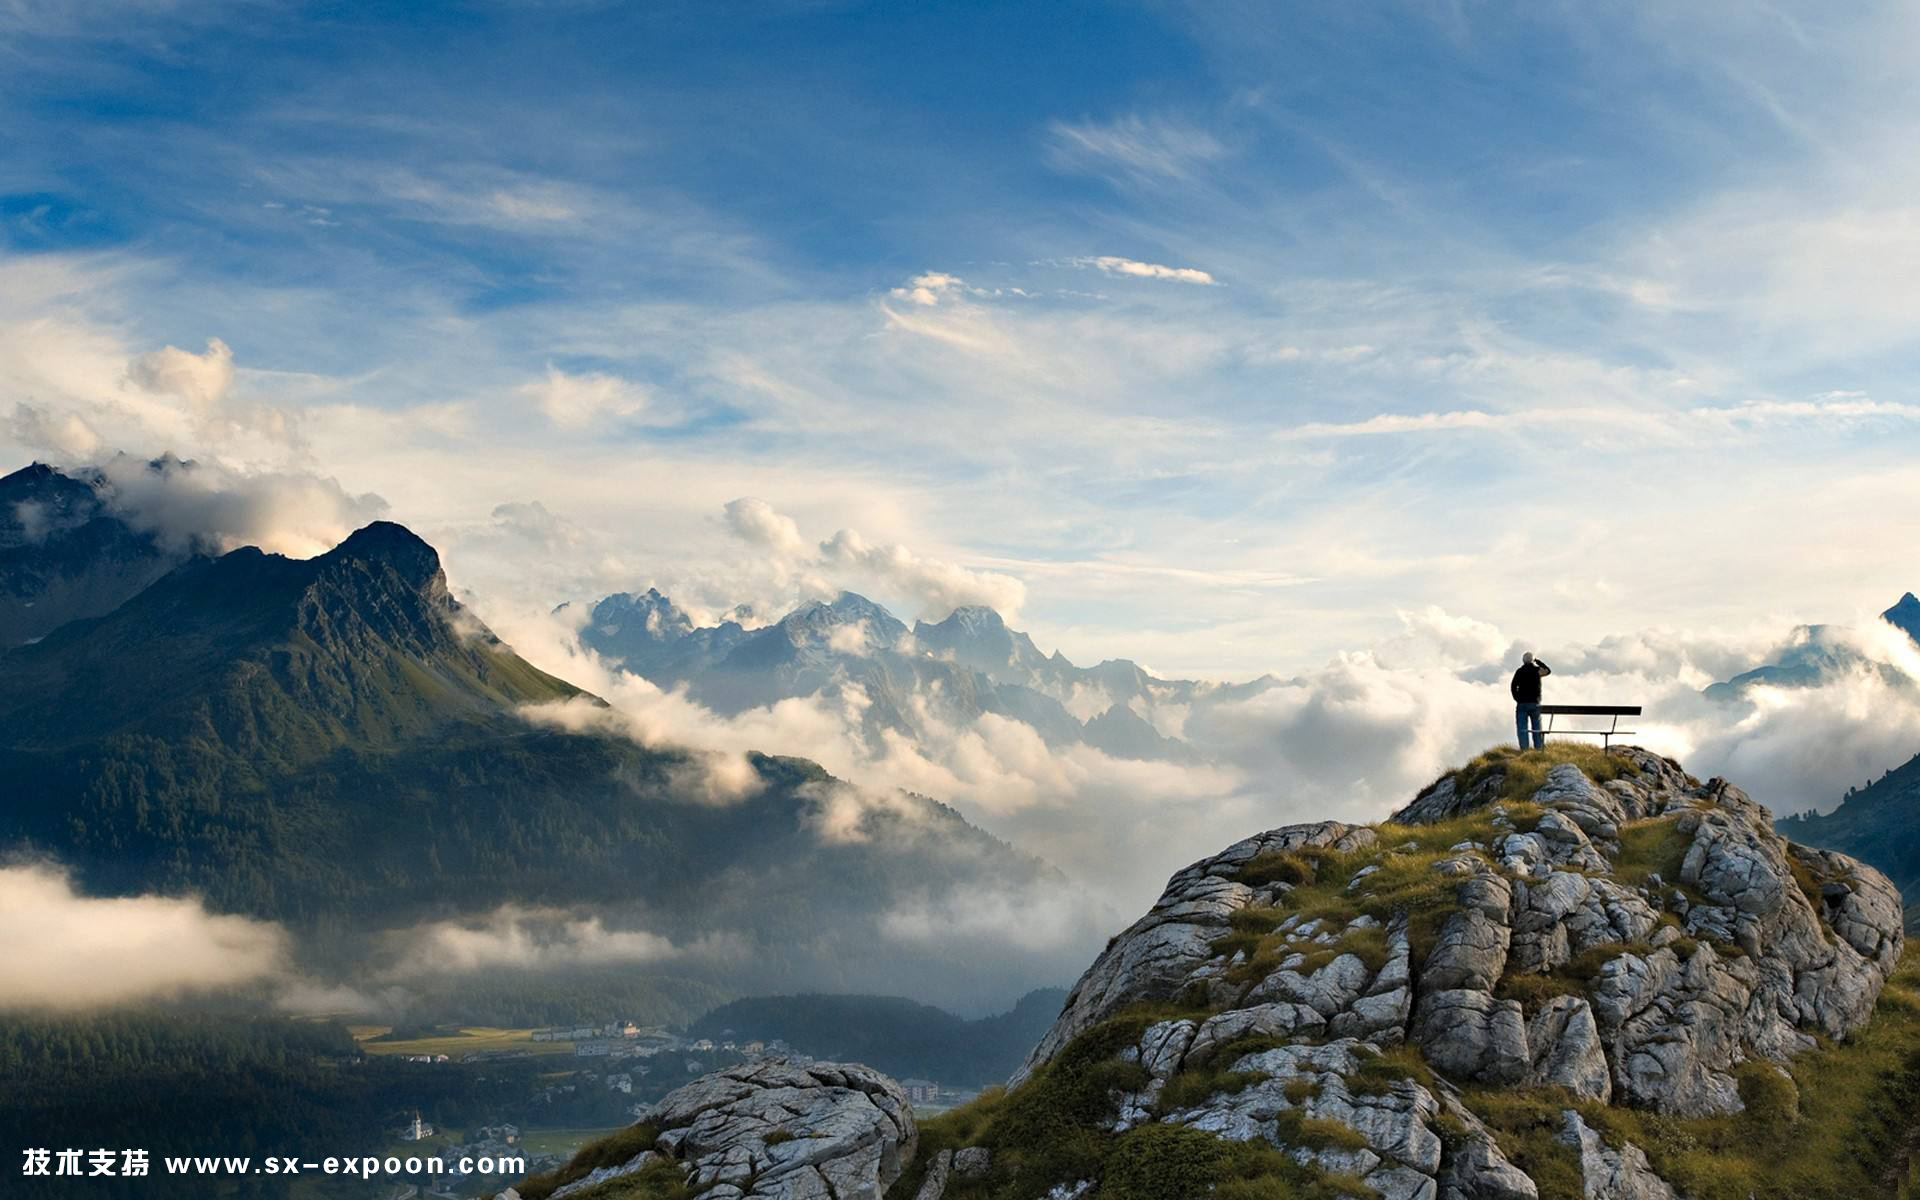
1606 736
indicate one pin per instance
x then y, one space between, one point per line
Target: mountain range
1816 653
951 672
335 743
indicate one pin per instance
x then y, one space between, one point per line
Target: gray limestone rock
934 1185
1607 1174
850 1131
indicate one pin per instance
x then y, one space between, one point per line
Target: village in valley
581 1081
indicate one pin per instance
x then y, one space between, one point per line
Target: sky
1362 344
1229 331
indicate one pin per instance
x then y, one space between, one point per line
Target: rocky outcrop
1168 948
1634 940
771 1130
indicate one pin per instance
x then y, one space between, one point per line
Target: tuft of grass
1237 1049
1379 1072
609 1151
1536 991
1651 847
1433 841
1163 1162
1173 1162
1526 1123
1316 1133
1191 1088
1296 868
1523 772
661 1181
1809 887
778 1137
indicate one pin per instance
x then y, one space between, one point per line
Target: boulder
846 1131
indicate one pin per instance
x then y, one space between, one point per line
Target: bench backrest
1592 710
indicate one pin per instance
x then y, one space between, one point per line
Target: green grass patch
1523 772
1651 847
661 1181
1526 1123
1191 1088
1379 1072
1535 991
1172 1162
1295 868
1316 1133
607 1152
1053 1130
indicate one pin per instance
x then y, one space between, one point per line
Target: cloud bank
849 561
65 950
216 508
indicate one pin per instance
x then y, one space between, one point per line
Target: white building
415 1130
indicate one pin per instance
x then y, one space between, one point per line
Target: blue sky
1218 334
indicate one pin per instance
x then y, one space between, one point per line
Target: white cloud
1144 270
62 437
1676 425
854 638
935 586
755 522
67 950
211 506
202 380
585 401
927 289
515 936
533 204
1042 919
798 569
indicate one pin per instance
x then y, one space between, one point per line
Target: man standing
1526 699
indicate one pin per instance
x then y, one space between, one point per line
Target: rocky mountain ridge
1815 654
951 671
1550 975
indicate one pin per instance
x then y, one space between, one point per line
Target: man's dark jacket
1526 682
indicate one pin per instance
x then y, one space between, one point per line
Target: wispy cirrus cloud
1156 148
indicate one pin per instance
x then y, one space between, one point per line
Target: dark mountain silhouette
64 554
1878 823
336 743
